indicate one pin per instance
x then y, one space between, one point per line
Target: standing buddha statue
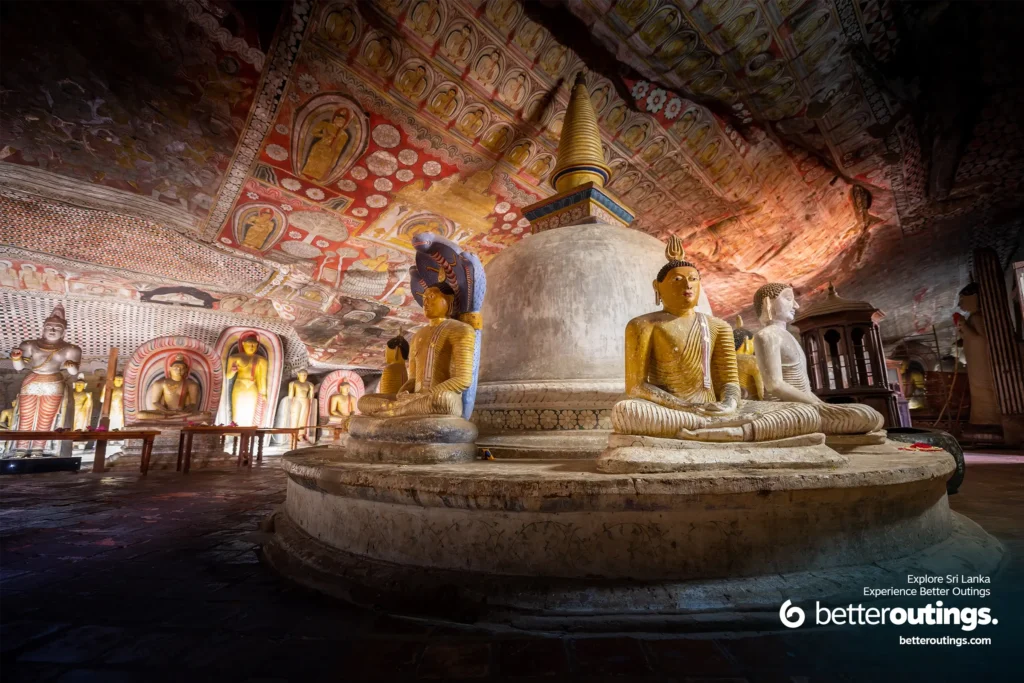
42 392
248 369
300 399
984 401
83 407
116 403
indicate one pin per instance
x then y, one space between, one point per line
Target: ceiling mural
301 144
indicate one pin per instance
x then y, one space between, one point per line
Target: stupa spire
580 158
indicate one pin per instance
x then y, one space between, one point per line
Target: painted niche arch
151 362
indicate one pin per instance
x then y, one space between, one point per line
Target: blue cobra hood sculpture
441 260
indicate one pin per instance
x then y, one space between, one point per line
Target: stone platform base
556 544
206 452
553 546
874 443
558 445
650 454
410 440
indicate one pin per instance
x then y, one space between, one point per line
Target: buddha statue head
55 325
775 301
343 388
80 382
677 286
118 381
742 338
302 375
968 302
249 343
178 369
397 350
439 301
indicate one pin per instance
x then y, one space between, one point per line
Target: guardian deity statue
42 392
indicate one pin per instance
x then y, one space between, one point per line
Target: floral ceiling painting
306 142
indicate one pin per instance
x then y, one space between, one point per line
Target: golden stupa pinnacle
580 158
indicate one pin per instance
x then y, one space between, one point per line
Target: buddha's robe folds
836 418
679 364
440 369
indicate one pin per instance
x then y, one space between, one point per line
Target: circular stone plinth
548 544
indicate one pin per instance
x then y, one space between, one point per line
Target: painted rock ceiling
274 159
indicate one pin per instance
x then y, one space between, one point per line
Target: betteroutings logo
790 615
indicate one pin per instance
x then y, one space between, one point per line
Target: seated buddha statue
342 405
440 364
681 373
174 397
395 373
783 365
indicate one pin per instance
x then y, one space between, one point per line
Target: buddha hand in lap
174 397
440 364
783 365
681 373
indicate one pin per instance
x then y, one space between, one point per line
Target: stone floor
117 578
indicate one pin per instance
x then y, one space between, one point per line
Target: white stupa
552 356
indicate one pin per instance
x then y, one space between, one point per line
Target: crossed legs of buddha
755 421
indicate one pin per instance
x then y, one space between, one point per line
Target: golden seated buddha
681 373
174 398
440 364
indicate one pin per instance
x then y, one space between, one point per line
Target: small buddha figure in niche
174 397
342 405
984 401
395 375
751 386
783 365
440 364
258 228
116 403
444 103
340 28
682 378
413 81
83 405
248 369
7 415
329 140
457 44
300 393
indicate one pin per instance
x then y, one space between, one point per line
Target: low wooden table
245 436
123 435
261 432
